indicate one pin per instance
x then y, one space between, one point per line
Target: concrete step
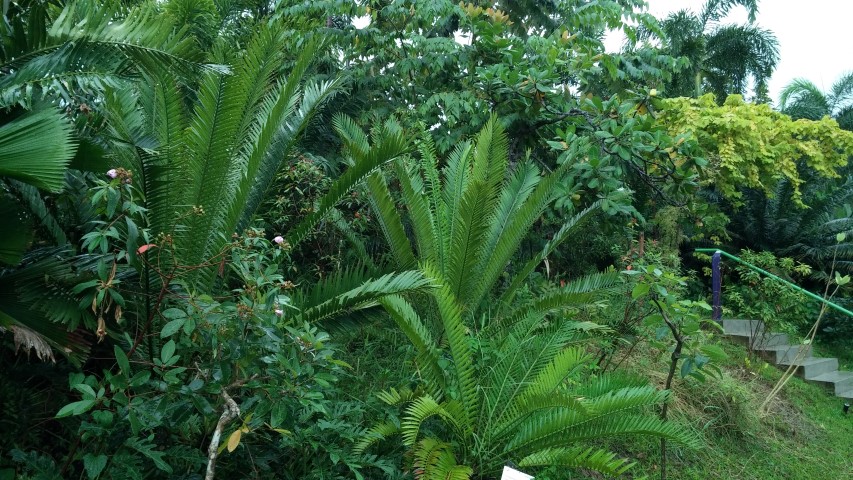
785 353
848 394
838 380
746 328
812 367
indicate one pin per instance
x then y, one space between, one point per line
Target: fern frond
562 235
25 156
599 460
418 411
450 313
428 356
364 296
374 435
385 210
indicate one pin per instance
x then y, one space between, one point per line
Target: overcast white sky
814 36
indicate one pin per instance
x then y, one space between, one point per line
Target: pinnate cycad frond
338 295
91 46
598 460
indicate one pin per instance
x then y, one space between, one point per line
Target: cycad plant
499 380
57 58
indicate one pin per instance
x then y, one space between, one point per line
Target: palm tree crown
724 59
803 99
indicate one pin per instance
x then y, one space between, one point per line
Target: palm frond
434 460
568 228
410 324
420 212
469 227
599 460
314 97
510 239
374 435
390 146
328 299
450 313
25 156
92 45
389 220
37 296
418 411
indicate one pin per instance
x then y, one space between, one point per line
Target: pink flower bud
112 173
278 239
279 312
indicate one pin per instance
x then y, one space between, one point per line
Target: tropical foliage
803 99
388 238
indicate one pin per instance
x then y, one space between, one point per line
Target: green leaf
172 327
75 408
122 360
173 313
94 464
167 351
641 289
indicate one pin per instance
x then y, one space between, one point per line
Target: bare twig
230 412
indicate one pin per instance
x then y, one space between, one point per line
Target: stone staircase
776 349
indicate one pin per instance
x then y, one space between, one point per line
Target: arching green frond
329 300
389 147
396 397
38 297
314 97
599 460
490 157
469 228
354 138
221 135
510 239
389 221
435 197
455 176
561 236
434 460
418 412
410 324
374 435
514 194
337 218
450 313
25 156
421 213
92 45
30 197
576 294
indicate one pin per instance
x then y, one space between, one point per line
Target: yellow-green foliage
751 145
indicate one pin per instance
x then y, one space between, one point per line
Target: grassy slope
806 436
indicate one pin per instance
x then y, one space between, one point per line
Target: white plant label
513 474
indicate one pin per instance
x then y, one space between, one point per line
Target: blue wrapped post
716 286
